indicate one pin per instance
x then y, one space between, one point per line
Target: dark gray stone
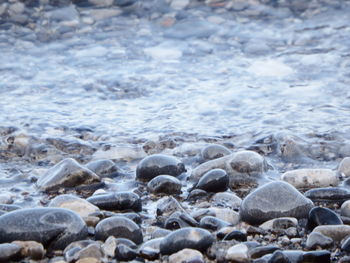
102 167
119 226
212 223
189 237
53 227
272 200
328 194
345 244
316 239
236 235
117 201
164 184
124 253
317 256
260 251
158 164
322 216
9 252
215 180
67 173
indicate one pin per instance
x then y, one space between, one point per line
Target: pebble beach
173 131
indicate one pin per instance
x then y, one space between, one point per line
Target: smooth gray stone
164 184
117 201
53 227
273 200
214 151
9 252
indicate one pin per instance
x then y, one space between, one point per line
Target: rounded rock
117 201
215 180
322 216
164 184
31 249
328 194
316 239
119 226
54 227
158 164
212 223
9 252
214 151
186 255
272 200
227 200
247 162
345 209
344 167
189 237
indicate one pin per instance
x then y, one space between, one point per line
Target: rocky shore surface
97 189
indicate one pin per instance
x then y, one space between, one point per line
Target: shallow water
216 75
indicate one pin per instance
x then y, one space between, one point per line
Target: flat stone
323 216
158 164
273 200
67 173
279 223
317 256
328 194
189 237
238 253
236 235
336 232
74 203
311 178
186 255
164 184
344 167
224 214
212 223
316 239
260 251
119 226
214 151
117 201
102 167
215 180
54 227
83 249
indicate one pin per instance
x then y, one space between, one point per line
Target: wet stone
74 203
335 232
194 238
212 223
117 201
164 184
345 244
318 256
344 167
124 253
119 226
151 248
260 251
328 194
311 178
158 164
54 227
186 256
179 220
224 214
279 257
9 252
103 167
227 200
67 173
191 28
345 209
214 151
322 216
168 205
31 249
197 195
279 223
272 200
238 253
316 239
236 235
215 180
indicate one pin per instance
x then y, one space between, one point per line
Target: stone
345 244
328 194
238 253
168 205
68 13
279 257
236 235
165 184
160 232
188 237
119 226
311 178
224 214
111 244
316 239
102 167
186 256
212 223
104 13
124 253
83 249
151 248
273 200
196 195
226 200
53 227
200 170
74 203
345 209
317 256
67 173
191 28
158 164
279 223
215 180
179 220
31 249
117 201
322 216
214 151
9 252
335 232
260 251
344 167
